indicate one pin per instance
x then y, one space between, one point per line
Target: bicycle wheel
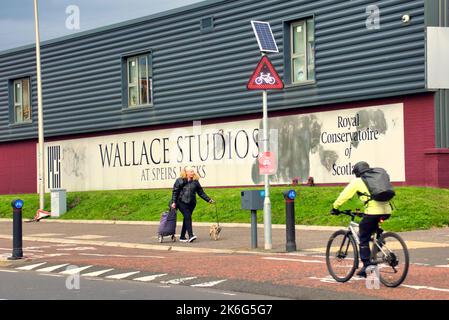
392 259
342 257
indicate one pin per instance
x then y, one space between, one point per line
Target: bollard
17 252
289 197
253 229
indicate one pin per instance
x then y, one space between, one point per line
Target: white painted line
150 278
96 273
443 266
208 284
53 268
52 275
31 267
118 255
9 271
178 281
425 288
122 275
75 270
88 237
46 234
77 249
295 260
227 294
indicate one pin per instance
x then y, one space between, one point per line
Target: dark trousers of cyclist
187 211
367 226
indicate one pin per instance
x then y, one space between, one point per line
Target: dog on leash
214 231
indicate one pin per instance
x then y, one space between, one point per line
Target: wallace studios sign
324 145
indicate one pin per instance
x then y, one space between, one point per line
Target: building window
21 100
139 81
303 51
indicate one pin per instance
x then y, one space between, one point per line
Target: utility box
58 202
252 200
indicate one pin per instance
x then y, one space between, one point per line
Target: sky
57 17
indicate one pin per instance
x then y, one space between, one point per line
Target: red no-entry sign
267 163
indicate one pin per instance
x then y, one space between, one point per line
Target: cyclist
375 211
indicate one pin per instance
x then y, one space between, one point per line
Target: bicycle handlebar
352 214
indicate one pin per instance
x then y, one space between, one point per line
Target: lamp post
41 164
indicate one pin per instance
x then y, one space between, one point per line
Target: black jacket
185 191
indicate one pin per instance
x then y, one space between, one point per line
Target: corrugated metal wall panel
203 75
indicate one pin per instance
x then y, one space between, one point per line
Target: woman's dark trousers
187 211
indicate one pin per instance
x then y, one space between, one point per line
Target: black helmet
360 168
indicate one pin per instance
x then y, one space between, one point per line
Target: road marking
122 275
31 267
295 260
77 249
75 270
425 288
178 281
46 235
150 278
443 266
88 237
52 275
118 255
53 268
9 271
96 273
227 294
394 246
208 284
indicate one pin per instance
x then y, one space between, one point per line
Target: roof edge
154 16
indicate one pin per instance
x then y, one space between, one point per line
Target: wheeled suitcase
167 225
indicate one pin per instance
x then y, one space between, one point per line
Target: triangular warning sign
265 77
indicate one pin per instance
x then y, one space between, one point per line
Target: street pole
41 164
267 202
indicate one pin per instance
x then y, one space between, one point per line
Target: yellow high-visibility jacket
373 207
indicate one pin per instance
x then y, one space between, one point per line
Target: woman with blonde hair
184 198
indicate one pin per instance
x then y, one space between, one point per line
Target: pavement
130 250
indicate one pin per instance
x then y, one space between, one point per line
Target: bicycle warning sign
265 77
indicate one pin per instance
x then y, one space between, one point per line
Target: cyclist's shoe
362 273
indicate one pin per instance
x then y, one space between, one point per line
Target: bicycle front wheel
392 259
342 257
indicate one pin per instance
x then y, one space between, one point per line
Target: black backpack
378 183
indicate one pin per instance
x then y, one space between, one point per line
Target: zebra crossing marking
150 278
122 275
31 267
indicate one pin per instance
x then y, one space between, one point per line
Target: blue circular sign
18 204
262 193
292 194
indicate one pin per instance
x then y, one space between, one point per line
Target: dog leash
216 214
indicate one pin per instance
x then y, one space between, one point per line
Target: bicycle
388 251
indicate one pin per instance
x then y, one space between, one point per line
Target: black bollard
17 252
289 197
253 229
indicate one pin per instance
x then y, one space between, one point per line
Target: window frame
14 105
126 84
289 56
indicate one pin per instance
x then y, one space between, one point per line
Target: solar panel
264 36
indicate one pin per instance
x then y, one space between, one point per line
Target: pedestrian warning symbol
265 77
